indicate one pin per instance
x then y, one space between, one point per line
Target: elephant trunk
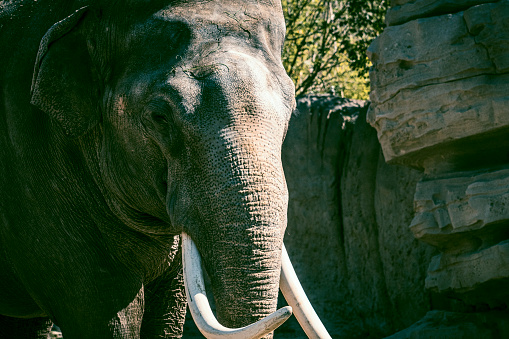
200 308
289 284
245 285
248 216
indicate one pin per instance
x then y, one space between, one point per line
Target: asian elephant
124 125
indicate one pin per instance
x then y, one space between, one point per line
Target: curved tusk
200 308
296 297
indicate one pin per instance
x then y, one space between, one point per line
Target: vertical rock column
440 103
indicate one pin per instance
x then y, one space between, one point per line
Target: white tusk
296 297
200 308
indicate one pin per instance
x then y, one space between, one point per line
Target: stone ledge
418 119
439 80
425 52
404 11
440 49
463 214
480 277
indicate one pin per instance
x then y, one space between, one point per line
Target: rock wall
439 86
440 104
348 234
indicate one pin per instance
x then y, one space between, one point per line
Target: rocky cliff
348 234
440 104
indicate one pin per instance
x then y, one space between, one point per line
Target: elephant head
185 106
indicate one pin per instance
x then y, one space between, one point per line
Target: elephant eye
161 125
159 112
159 118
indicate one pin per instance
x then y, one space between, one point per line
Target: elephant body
123 124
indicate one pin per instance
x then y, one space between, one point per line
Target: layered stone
477 278
347 223
467 218
464 213
440 103
440 83
406 10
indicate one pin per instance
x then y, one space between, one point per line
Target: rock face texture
440 84
440 104
405 10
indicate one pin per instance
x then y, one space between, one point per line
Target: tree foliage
326 42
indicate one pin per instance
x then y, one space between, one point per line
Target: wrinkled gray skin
145 119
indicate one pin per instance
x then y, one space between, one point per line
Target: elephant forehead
227 16
191 31
197 8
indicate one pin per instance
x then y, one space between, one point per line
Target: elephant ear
63 81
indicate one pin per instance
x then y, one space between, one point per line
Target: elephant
131 133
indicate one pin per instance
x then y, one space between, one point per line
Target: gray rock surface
463 213
447 325
405 10
440 103
311 159
477 278
439 86
348 233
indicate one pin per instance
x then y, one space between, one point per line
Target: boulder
439 90
478 278
463 213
